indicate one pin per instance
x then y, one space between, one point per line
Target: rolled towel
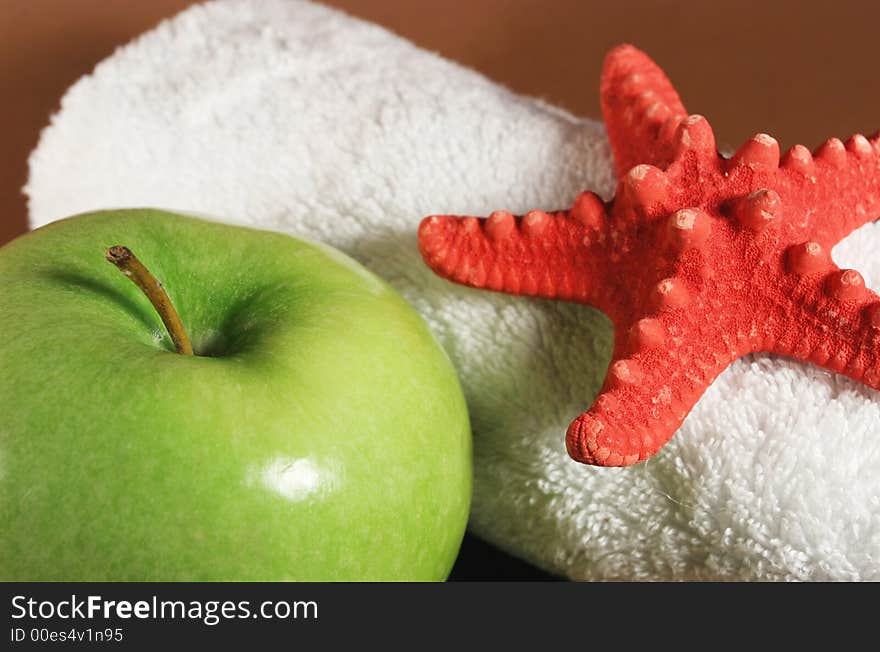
295 117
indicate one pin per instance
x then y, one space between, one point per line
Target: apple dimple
211 344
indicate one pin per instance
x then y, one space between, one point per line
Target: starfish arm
645 398
834 323
830 194
547 255
641 109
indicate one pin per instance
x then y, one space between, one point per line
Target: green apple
318 433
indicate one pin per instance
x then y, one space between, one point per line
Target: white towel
291 116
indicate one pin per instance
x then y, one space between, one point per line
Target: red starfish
697 260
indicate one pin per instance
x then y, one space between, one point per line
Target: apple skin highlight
319 433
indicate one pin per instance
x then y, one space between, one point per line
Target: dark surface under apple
481 561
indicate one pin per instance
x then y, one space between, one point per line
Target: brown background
798 71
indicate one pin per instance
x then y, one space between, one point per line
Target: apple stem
134 269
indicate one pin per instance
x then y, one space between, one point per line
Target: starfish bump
698 259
